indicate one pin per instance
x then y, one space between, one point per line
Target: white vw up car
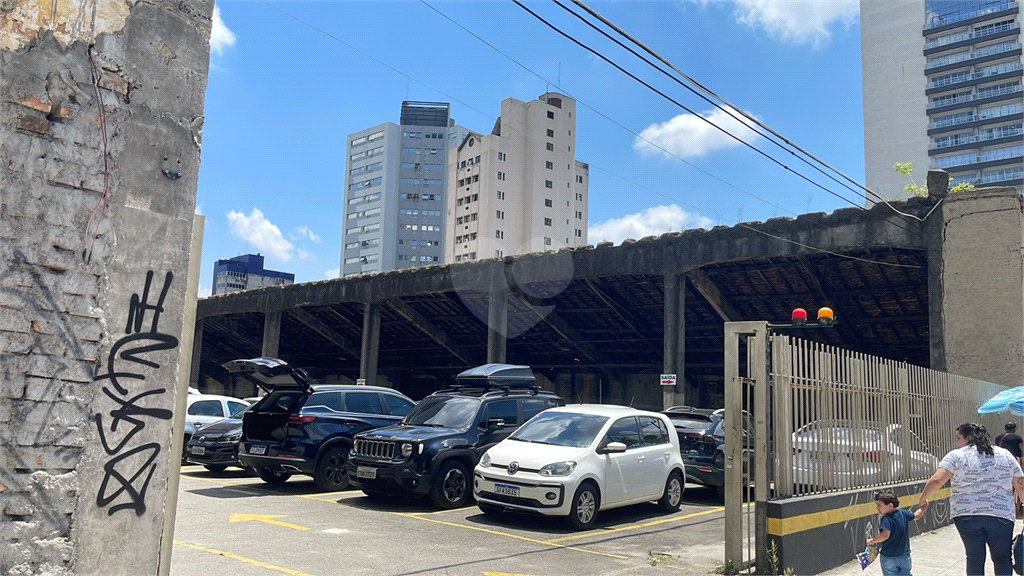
575 460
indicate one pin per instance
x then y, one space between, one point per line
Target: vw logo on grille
513 467
202 439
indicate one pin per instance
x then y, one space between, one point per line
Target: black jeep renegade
433 451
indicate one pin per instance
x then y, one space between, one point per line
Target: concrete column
497 322
197 352
674 358
271 334
371 342
976 285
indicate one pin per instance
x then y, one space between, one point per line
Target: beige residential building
520 188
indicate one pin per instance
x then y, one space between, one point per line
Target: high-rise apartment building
395 185
520 188
246 272
942 89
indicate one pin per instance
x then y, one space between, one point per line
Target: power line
453 98
679 104
606 117
749 117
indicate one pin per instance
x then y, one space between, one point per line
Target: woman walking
984 480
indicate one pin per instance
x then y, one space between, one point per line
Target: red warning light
799 317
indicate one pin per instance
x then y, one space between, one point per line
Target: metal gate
790 403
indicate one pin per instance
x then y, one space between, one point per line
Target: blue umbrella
1011 400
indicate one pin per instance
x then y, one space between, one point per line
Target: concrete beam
703 284
430 329
624 315
371 342
321 328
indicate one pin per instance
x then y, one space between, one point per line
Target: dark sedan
215 446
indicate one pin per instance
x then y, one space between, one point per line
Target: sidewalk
933 553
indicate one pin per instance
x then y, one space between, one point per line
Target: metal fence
845 420
810 418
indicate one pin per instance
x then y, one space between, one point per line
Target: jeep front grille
376 449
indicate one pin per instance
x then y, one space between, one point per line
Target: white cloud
305 232
650 222
220 35
260 233
795 21
205 290
199 209
687 136
332 273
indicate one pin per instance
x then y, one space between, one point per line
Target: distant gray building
942 89
395 191
246 272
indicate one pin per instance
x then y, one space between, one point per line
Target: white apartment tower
942 89
520 188
395 189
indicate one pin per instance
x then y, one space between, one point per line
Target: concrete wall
977 277
816 533
101 109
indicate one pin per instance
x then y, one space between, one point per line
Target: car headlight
558 469
485 460
406 450
232 438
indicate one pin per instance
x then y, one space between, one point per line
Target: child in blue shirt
893 534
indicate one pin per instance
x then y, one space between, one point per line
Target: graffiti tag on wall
130 466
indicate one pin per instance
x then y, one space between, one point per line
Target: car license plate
506 490
366 472
257 449
197 450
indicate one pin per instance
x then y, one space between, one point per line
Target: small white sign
668 379
361 382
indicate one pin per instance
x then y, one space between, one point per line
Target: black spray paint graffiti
140 340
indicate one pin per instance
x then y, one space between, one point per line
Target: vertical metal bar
903 384
758 345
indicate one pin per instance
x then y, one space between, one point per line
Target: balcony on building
967 78
1004 114
987 11
988 95
965 38
1006 157
990 137
973 57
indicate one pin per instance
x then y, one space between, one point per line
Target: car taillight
300 419
708 439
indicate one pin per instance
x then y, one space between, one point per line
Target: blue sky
282 96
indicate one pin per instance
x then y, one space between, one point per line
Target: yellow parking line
420 516
234 556
633 526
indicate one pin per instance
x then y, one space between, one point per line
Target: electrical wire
679 104
750 117
453 98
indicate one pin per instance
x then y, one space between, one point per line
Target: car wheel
673 495
451 489
490 511
272 477
216 468
584 507
330 472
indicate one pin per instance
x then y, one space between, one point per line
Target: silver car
842 454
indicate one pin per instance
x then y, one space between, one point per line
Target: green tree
915 189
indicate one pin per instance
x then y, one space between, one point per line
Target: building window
551 133
549 184
501 175
579 215
501 195
498 253
547 221
499 234
500 215
579 197
579 179
550 147
548 202
579 233
549 165
547 241
501 156
551 115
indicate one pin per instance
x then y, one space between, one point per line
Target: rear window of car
323 401
690 421
397 405
206 408
363 403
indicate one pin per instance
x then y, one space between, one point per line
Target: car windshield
561 429
444 411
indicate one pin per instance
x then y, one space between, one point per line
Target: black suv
304 429
435 448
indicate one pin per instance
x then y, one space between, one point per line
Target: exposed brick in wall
78 236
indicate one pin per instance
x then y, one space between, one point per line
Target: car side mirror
613 448
495 423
